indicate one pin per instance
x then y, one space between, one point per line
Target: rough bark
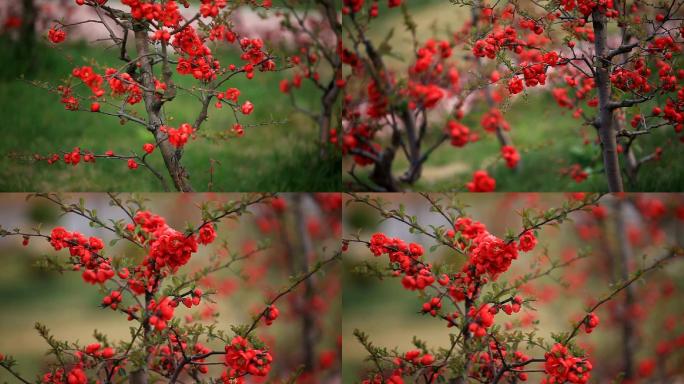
415 159
153 109
382 171
607 133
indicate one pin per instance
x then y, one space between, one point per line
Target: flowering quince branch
406 106
160 31
475 294
569 46
566 44
148 291
451 213
296 281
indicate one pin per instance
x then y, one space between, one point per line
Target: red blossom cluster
73 376
487 364
113 299
196 58
460 134
405 260
527 241
431 78
253 54
576 172
119 83
355 6
96 350
179 136
56 35
167 246
90 78
162 312
493 119
93 355
271 314
591 321
211 8
85 251
481 319
562 367
406 365
490 255
481 182
499 38
242 359
511 155
123 84
586 7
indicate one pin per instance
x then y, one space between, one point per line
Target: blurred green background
391 316
71 308
280 153
547 136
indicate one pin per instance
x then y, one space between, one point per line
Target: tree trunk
607 134
626 256
325 118
153 108
308 322
27 35
382 171
415 161
138 377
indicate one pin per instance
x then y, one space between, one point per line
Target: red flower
56 35
481 182
149 148
646 367
483 318
271 314
247 108
511 155
207 234
242 360
459 133
562 367
591 322
527 241
515 85
178 137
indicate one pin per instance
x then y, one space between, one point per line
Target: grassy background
547 136
273 157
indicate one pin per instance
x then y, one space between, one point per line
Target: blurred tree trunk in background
25 46
626 254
